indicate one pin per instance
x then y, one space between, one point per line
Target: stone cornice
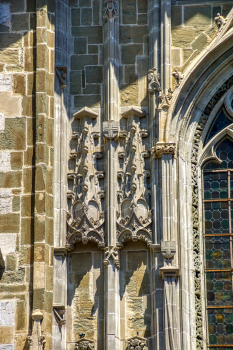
169 271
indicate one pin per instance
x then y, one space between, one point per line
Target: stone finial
178 76
220 21
137 343
111 252
85 344
110 129
153 80
168 249
163 148
110 10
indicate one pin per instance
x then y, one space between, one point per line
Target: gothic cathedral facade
116 174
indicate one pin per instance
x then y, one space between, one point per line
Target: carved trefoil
85 217
133 215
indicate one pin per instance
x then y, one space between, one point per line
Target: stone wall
26 202
192 29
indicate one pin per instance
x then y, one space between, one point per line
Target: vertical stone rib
111 79
165 45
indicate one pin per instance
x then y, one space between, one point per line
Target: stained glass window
218 207
220 123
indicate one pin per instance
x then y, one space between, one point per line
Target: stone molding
137 343
163 148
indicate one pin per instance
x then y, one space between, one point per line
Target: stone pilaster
43 217
110 130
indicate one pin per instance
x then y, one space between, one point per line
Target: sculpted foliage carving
163 148
85 344
153 80
134 216
195 213
85 219
137 343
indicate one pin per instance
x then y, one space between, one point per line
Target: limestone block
6 313
5 163
5 15
12 107
2 122
6 347
7 243
5 201
5 82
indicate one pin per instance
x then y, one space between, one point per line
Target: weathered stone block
130 76
142 65
11 262
86 16
175 57
12 107
16 160
49 181
137 260
94 34
29 106
19 84
197 15
93 49
49 231
49 205
29 157
129 12
26 230
125 34
13 289
10 40
14 277
48 302
9 56
200 42
92 90
76 267
73 3
79 61
6 335
96 12
7 241
87 100
142 6
20 22
183 37
28 174
17 5
94 75
129 95
21 316
16 204
39 228
50 84
80 45
30 59
75 82
85 3
129 53
49 278
41 56
6 313
138 34
38 298
10 179
142 19
25 256
176 16
22 342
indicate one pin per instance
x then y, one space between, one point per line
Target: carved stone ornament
137 343
85 344
110 129
168 249
30 340
111 253
85 217
178 76
110 10
153 80
220 21
61 73
165 100
135 223
163 148
59 314
133 214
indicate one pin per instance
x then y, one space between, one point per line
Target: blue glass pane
221 122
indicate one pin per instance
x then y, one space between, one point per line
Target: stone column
110 130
